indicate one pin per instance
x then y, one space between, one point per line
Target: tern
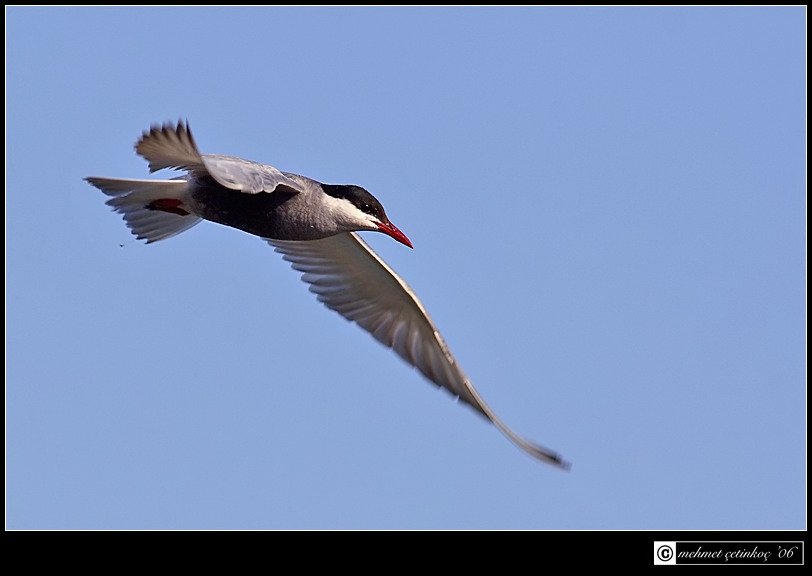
313 226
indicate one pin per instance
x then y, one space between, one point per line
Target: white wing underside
168 146
350 278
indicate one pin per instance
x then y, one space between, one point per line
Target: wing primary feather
170 146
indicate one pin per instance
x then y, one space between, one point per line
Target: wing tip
557 461
168 145
541 453
157 128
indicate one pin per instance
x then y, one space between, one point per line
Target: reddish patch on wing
171 205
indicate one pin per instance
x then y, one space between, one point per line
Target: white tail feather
134 198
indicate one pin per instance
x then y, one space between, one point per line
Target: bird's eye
366 208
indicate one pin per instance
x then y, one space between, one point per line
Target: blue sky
608 208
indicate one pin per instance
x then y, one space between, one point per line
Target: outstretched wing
350 278
173 146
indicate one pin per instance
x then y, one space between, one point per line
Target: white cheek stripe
342 210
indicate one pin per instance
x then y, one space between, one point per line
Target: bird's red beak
391 230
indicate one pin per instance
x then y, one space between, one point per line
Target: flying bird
313 226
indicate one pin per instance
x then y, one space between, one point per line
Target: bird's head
357 209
